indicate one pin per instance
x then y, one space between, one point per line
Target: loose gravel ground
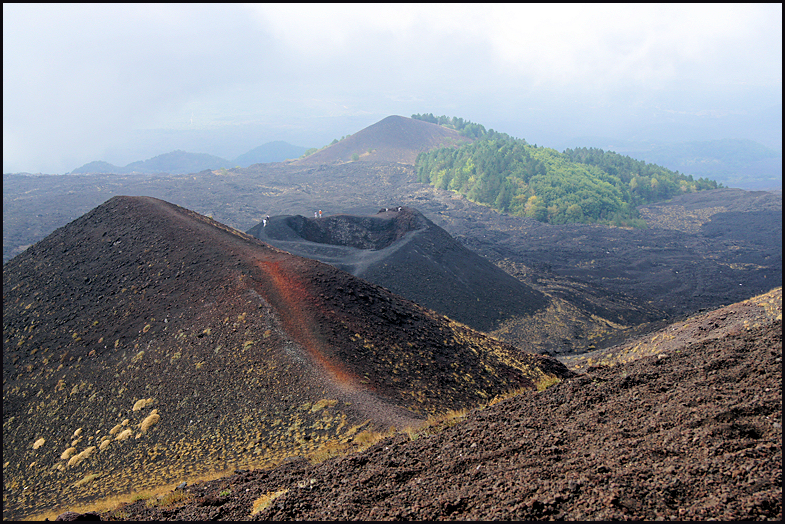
693 433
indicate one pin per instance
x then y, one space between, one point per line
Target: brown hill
692 433
393 139
144 344
401 250
705 328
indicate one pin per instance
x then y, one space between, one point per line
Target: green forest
578 185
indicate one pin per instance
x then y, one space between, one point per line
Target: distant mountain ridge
98 166
183 162
178 162
277 151
738 163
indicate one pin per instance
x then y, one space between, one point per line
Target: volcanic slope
392 139
693 432
408 254
144 344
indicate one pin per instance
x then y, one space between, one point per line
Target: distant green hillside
581 185
464 127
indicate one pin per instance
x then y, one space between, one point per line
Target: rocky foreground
694 433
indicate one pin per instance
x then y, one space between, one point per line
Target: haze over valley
223 80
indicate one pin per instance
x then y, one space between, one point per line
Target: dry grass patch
508 394
324 403
141 404
141 496
77 459
436 423
263 502
352 441
169 499
331 448
151 420
547 382
86 480
368 438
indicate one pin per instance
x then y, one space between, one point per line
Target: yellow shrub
323 404
86 480
141 404
151 420
124 435
77 459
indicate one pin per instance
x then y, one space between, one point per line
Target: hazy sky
127 82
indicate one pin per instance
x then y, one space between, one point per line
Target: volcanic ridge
145 344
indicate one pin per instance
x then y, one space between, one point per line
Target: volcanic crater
400 249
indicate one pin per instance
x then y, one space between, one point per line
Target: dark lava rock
72 516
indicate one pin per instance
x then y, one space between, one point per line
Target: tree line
466 128
580 185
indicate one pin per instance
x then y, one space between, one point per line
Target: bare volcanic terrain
145 345
691 432
150 351
701 250
401 250
604 284
393 139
